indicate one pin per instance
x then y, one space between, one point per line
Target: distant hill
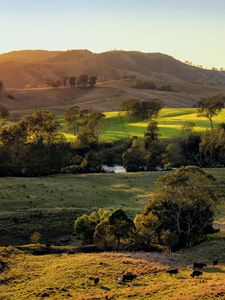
24 74
32 67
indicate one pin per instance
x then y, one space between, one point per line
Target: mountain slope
21 68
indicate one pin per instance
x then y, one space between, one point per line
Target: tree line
34 147
82 81
179 214
151 152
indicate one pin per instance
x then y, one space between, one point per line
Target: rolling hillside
32 68
21 68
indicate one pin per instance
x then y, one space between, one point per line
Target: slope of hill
21 68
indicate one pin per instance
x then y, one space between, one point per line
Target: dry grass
64 277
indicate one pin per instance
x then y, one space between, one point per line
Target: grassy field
61 276
51 204
171 121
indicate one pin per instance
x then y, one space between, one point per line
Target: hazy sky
188 30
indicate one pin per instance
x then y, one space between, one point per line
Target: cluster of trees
82 81
207 149
178 214
142 110
33 146
152 86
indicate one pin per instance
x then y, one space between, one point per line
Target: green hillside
171 121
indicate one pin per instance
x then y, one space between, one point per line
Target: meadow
171 120
51 204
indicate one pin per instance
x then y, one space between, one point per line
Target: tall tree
72 117
40 126
211 107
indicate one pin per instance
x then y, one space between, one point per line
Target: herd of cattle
129 277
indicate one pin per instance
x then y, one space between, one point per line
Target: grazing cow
71 252
95 279
196 274
199 265
128 277
215 262
172 271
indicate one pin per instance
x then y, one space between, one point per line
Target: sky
188 30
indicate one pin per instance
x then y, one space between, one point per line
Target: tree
180 210
92 81
152 133
40 126
134 157
142 110
82 80
121 225
85 225
72 81
92 162
189 145
91 124
172 156
65 81
113 229
72 117
212 147
211 107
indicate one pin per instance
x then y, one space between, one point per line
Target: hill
24 74
21 68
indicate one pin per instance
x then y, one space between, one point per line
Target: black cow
172 271
199 265
215 262
128 277
196 274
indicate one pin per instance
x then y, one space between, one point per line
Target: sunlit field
171 120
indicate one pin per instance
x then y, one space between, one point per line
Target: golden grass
66 277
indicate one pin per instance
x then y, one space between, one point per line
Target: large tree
142 110
180 210
211 107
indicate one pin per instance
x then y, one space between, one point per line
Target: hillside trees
142 110
211 107
180 210
82 81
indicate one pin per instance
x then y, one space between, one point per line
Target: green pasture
171 120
